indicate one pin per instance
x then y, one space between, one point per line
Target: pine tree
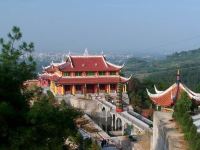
16 66
44 125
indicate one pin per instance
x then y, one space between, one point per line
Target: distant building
81 75
168 97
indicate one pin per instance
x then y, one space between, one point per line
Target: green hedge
182 115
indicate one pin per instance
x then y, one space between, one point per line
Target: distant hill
164 70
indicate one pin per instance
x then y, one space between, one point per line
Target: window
78 73
90 73
66 74
101 73
112 73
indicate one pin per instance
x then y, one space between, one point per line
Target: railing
140 124
139 121
147 121
107 104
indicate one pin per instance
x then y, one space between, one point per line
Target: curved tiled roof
88 63
53 67
168 97
47 76
83 63
50 69
91 80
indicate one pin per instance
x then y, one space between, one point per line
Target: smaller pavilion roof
167 98
48 76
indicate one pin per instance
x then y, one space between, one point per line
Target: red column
107 88
98 89
84 89
95 89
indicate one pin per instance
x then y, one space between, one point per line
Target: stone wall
166 135
87 105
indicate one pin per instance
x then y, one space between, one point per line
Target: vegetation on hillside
164 71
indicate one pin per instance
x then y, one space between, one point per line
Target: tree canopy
16 66
43 125
137 93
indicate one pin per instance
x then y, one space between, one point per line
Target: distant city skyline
130 26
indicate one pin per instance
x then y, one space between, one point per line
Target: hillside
164 71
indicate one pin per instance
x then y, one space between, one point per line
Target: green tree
138 95
183 105
182 115
53 123
16 66
43 125
95 146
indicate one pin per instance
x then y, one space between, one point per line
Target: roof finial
102 52
69 53
178 76
85 52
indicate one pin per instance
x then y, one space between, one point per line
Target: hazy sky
148 26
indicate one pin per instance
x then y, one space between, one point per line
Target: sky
133 26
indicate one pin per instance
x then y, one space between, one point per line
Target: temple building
82 74
169 97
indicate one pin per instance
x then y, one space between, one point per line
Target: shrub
182 116
197 145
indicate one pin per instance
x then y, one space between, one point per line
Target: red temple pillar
96 88
82 89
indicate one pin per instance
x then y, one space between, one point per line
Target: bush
197 145
182 116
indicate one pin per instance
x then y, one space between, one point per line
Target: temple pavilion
82 74
168 97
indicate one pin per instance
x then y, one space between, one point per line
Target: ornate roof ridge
157 91
126 78
110 76
191 94
116 66
85 56
58 64
49 74
70 60
54 64
46 67
160 94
